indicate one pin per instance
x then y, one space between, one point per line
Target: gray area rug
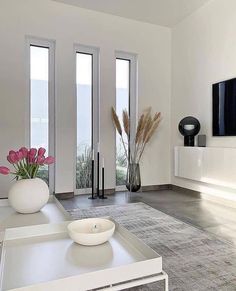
195 260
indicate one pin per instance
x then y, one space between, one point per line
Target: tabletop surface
9 218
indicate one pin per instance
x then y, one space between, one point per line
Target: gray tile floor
192 209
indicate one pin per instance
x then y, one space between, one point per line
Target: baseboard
147 188
64 196
156 187
185 190
108 191
69 195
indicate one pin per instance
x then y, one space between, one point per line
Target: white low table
52 212
43 257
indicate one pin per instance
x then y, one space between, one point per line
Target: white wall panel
68 25
203 53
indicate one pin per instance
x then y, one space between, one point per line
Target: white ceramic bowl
91 231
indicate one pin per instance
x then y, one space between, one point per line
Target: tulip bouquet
26 162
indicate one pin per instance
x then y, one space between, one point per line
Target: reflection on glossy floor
205 214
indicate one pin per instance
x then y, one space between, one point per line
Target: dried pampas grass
140 128
147 126
119 129
126 122
152 130
116 121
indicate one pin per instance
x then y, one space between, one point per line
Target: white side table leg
166 282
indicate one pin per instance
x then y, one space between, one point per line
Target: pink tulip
4 170
41 152
49 160
24 152
19 156
32 152
10 159
31 155
13 157
30 159
40 160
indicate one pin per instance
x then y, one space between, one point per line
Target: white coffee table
43 257
52 212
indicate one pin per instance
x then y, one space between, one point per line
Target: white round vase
28 195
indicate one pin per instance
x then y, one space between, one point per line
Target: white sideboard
210 165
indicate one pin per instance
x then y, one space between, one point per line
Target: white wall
68 25
203 52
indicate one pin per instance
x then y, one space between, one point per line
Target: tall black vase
133 179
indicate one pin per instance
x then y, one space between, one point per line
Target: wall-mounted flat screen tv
224 108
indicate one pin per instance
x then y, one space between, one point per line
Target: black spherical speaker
189 127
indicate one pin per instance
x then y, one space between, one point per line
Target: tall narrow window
122 103
39 62
87 114
42 102
84 63
126 99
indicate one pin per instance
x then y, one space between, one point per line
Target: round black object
189 127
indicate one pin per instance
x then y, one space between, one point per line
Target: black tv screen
224 108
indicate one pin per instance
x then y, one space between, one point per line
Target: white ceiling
161 12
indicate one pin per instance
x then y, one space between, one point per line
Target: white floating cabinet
212 165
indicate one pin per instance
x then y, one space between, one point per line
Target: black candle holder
103 191
98 172
92 181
